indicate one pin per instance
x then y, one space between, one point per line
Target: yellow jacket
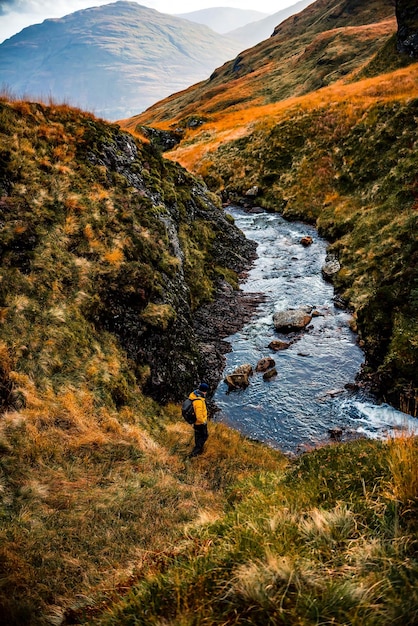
200 409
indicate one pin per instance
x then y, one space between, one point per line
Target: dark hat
203 387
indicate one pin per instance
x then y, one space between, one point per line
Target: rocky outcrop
162 139
179 345
407 18
292 319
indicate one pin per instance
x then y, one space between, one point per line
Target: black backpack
187 411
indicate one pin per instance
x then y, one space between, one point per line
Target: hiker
201 424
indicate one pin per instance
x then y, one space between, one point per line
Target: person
201 424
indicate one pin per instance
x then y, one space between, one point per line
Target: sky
17 14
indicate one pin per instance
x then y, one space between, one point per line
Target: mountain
319 120
113 59
223 19
251 34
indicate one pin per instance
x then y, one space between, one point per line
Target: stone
252 192
246 369
239 378
265 364
330 268
306 241
277 345
270 374
335 434
236 381
292 319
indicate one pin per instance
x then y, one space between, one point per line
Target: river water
295 410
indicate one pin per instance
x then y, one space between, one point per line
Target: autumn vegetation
104 518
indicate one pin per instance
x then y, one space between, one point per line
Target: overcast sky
17 14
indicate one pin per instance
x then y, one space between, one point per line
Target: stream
295 410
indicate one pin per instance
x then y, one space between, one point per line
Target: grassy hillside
102 238
320 45
107 250
104 518
328 540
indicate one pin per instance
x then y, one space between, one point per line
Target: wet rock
240 377
292 319
246 370
340 303
335 434
277 345
237 381
331 268
264 364
306 241
270 374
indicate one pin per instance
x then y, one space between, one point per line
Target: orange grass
399 85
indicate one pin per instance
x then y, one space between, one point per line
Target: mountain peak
113 59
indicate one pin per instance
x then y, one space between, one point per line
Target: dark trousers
200 436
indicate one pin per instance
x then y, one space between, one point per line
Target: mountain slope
111 59
322 44
223 19
341 156
102 236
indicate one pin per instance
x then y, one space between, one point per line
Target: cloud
45 7
22 13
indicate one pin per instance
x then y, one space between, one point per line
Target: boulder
306 241
239 379
236 381
292 319
265 364
246 370
277 345
331 268
270 374
252 192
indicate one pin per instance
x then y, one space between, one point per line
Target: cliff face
407 17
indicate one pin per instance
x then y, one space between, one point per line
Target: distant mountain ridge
254 33
224 19
113 59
